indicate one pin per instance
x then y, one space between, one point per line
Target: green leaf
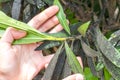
61 17
108 50
72 60
88 74
60 34
107 74
88 50
5 20
83 28
33 34
30 38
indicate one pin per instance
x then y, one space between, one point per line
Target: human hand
21 62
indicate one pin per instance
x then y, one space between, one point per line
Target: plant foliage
94 36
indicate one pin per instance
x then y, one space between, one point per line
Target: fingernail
79 77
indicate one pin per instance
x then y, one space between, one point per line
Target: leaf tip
83 28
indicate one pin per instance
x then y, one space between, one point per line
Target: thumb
11 34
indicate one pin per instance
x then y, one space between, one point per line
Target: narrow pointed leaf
33 34
66 71
55 66
83 28
5 20
88 51
30 38
61 17
72 60
91 65
108 50
61 34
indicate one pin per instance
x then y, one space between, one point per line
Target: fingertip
79 77
39 19
55 7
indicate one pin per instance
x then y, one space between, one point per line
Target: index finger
43 16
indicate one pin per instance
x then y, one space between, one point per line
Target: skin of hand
21 62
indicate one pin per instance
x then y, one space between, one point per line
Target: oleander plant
92 33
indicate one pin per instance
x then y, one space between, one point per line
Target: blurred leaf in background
88 74
107 74
4 1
